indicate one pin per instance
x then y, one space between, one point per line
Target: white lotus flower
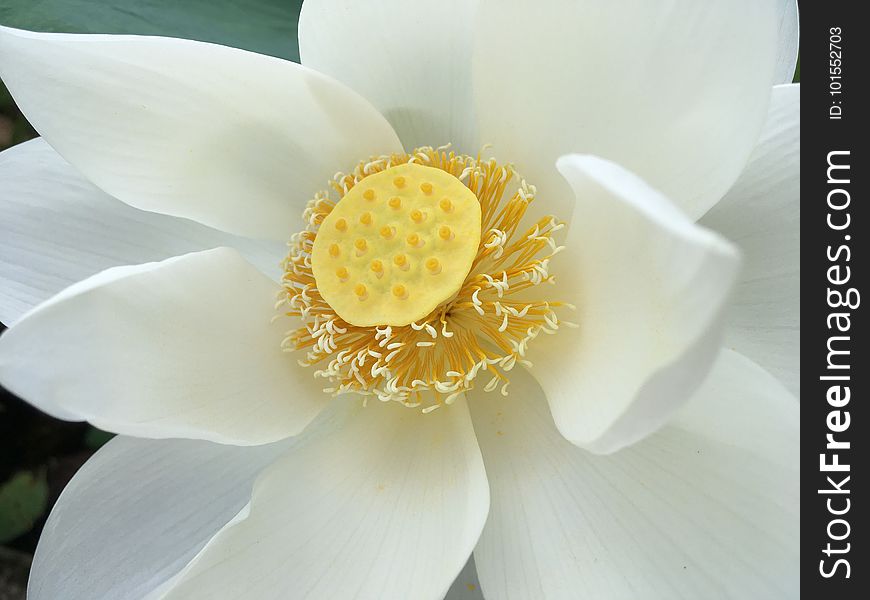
630 458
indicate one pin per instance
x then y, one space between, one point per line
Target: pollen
418 279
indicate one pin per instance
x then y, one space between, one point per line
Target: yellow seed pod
403 267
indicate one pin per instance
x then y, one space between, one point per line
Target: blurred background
39 454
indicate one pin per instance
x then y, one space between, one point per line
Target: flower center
396 246
419 279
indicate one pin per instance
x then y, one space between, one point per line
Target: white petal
389 507
675 92
137 512
650 287
706 508
57 229
789 38
232 139
762 215
412 60
180 348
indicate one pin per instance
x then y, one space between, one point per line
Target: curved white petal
412 60
180 348
137 512
706 508
57 229
649 286
761 214
390 506
789 39
232 139
675 92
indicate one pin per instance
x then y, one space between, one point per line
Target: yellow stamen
480 325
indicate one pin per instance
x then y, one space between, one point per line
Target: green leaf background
265 26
